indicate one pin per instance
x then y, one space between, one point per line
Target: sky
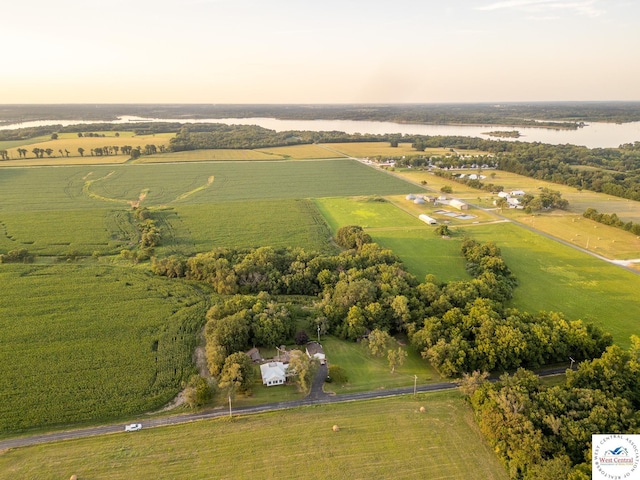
329 51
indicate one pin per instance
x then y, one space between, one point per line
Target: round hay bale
336 428
74 477
422 409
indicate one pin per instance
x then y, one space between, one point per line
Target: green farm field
88 343
53 211
208 156
388 438
275 223
551 276
556 277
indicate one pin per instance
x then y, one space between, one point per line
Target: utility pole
572 362
229 406
415 384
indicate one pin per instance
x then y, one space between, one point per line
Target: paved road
315 397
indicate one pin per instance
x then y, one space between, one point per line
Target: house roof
254 354
273 370
314 349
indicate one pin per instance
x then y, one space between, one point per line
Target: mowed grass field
388 438
551 276
374 149
87 343
367 373
556 277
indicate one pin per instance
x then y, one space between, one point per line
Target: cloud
541 8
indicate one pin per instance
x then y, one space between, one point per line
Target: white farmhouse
273 373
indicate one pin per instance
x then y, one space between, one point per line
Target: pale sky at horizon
334 51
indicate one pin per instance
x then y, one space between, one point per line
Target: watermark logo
616 457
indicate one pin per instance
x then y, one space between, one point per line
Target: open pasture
303 152
84 343
71 142
556 277
367 212
610 242
383 149
388 438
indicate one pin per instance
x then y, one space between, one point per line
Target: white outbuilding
455 203
427 219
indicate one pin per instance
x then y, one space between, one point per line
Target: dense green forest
544 432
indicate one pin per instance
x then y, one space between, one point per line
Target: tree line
544 432
612 220
458 326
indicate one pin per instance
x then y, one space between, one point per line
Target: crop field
388 438
276 223
84 343
208 156
84 187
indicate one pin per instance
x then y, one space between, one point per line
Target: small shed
517 193
427 219
254 355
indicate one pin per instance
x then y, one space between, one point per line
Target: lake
592 135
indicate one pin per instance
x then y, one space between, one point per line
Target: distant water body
593 135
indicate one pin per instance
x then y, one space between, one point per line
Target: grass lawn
387 438
366 372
